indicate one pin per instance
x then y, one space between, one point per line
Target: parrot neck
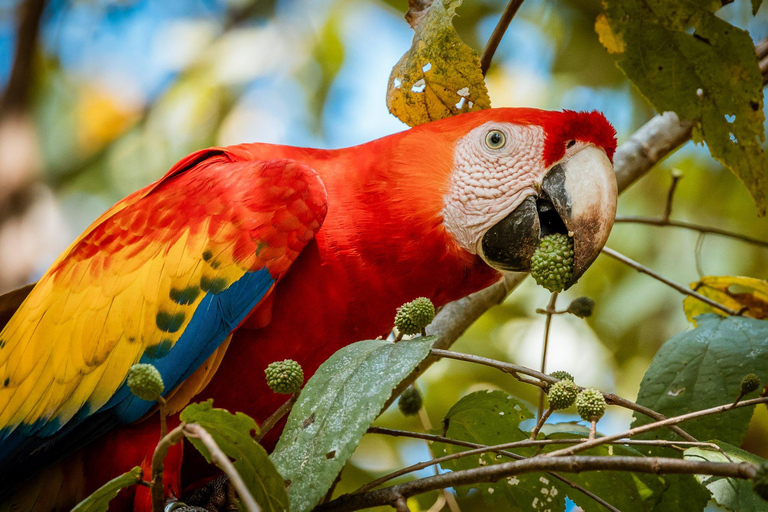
385 227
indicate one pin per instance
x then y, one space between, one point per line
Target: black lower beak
510 244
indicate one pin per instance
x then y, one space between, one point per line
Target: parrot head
518 175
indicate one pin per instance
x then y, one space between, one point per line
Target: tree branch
682 289
569 464
16 96
659 221
498 33
158 459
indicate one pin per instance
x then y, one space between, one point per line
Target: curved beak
576 197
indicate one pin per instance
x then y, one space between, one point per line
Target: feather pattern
162 277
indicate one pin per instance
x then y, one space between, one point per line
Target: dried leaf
735 292
440 75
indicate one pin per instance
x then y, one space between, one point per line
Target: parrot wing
163 277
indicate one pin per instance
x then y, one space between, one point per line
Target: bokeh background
103 96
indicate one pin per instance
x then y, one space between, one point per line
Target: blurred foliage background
103 96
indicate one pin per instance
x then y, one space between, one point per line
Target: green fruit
414 316
562 375
581 307
749 383
562 394
145 381
552 263
410 401
760 481
590 405
285 377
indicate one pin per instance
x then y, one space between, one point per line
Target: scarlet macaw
249 254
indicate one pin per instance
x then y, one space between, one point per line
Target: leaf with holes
493 417
703 368
233 434
99 500
440 75
735 292
335 408
709 75
732 493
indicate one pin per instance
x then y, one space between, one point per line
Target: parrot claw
215 496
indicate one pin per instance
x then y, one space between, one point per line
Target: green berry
285 376
749 383
562 375
590 404
581 307
410 401
552 263
562 394
145 381
760 481
414 316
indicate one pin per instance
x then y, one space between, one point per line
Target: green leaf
233 434
440 75
493 417
756 6
710 76
732 493
335 408
99 500
703 368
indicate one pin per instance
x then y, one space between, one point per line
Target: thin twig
158 457
676 177
661 222
656 425
542 419
222 461
573 464
276 416
545 347
682 289
498 33
163 412
543 380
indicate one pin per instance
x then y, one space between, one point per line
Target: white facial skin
489 180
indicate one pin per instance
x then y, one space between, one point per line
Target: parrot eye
570 143
495 139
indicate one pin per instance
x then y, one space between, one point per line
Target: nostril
549 219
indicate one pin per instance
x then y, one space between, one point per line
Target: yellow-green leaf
735 292
684 58
440 75
99 500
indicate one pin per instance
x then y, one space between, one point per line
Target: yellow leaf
440 75
612 41
734 292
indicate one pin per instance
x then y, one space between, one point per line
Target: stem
573 464
542 419
158 457
661 222
276 416
682 289
544 379
676 177
498 33
163 411
222 461
545 347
